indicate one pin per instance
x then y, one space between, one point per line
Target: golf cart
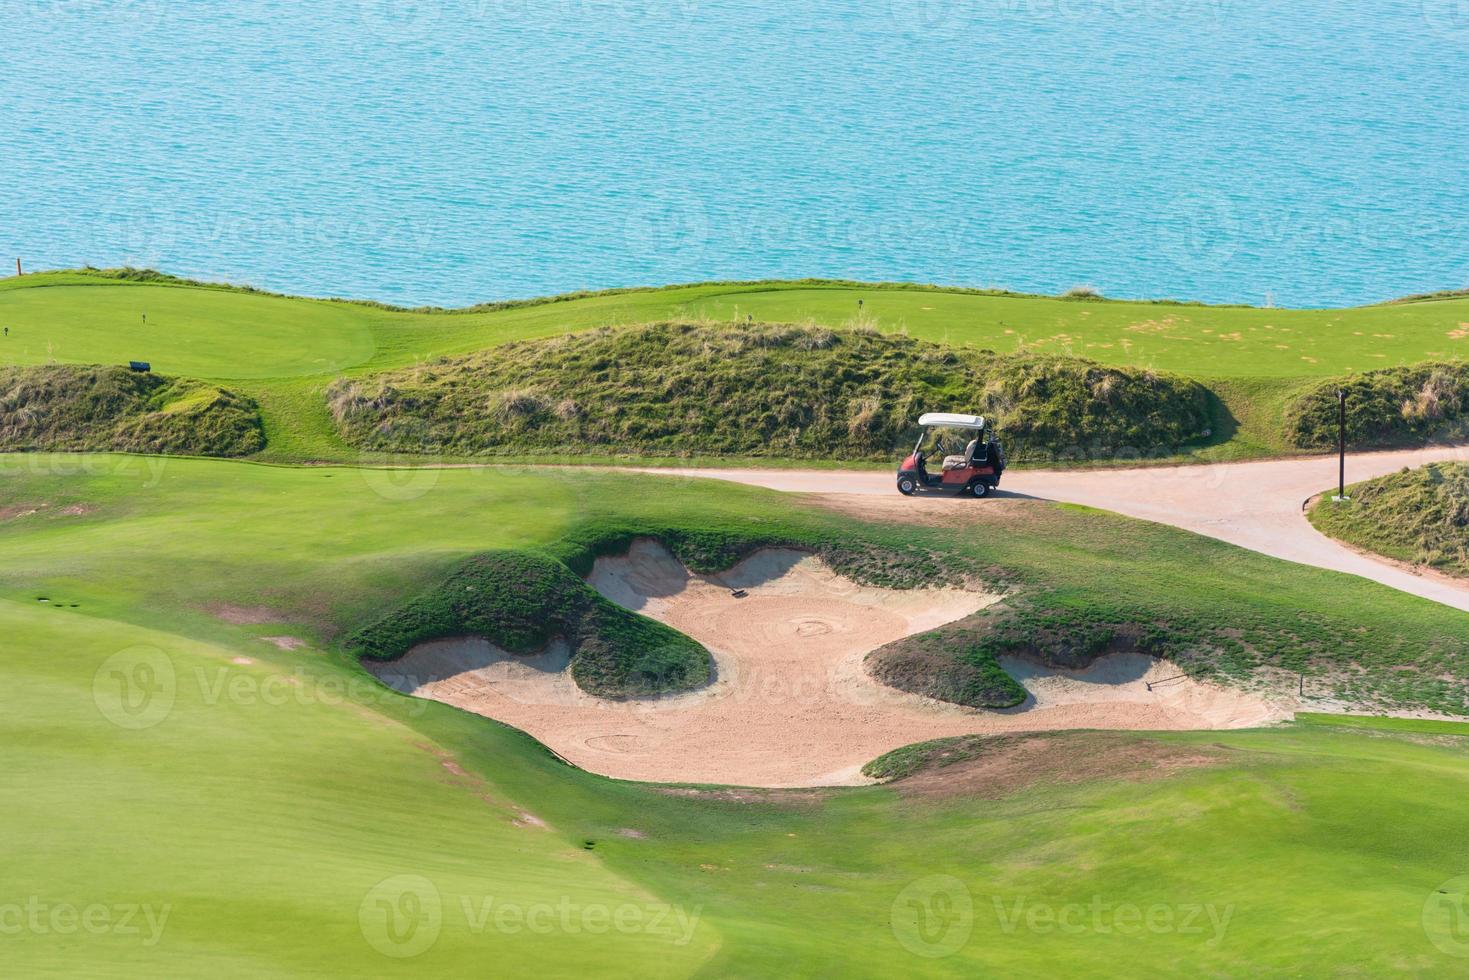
972 459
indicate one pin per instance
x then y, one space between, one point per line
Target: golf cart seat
956 462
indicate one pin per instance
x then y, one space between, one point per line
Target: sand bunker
791 704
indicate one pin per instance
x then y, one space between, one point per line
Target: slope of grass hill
1416 515
761 390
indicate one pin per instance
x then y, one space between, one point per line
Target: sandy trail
1255 505
791 705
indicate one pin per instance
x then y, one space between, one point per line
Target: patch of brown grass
751 796
934 511
244 615
1009 764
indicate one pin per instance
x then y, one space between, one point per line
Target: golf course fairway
187 740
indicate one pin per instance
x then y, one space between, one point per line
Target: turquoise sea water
452 151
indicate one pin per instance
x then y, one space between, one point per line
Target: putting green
1199 341
190 332
220 333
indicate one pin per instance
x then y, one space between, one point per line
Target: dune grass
1388 407
1417 515
280 349
280 805
69 407
767 390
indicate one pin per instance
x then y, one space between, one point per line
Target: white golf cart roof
952 420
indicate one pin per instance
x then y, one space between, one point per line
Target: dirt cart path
1256 505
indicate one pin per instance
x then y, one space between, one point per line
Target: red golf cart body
976 471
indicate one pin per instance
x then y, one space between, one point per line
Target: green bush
1417 515
1390 407
104 408
952 663
520 601
960 662
753 390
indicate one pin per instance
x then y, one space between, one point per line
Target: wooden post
17 266
1341 443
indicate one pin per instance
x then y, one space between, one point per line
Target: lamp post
1341 446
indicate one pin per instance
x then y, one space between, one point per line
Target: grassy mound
937 753
954 663
959 662
1390 407
520 601
790 391
1419 515
69 407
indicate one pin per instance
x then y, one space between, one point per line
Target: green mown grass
282 350
1198 341
1415 515
265 803
188 331
1424 726
258 808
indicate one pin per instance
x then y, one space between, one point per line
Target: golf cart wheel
979 489
906 485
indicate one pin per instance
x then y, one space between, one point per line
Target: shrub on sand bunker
952 663
960 663
520 601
